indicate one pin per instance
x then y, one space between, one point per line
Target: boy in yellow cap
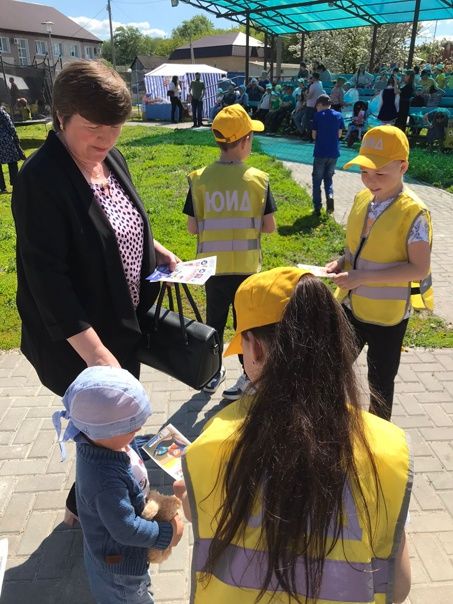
229 205
385 269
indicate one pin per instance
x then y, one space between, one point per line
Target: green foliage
343 50
194 28
159 160
432 167
432 51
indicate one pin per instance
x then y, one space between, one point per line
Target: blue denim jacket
109 503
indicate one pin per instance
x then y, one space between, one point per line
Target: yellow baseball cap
261 300
380 146
232 123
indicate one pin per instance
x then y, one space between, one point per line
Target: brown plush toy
160 507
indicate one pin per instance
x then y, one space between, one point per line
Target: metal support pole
109 10
410 58
4 74
272 58
373 48
278 70
247 45
302 46
265 51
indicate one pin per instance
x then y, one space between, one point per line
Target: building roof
235 38
27 18
148 61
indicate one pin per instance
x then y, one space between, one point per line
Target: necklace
97 173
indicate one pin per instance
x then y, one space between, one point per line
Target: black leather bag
183 348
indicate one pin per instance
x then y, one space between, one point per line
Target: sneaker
213 384
235 392
330 205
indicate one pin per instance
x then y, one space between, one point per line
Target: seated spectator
254 94
337 95
426 81
357 126
230 97
437 122
276 97
218 105
361 78
275 118
265 104
303 71
380 82
243 98
24 109
264 80
434 96
224 83
417 77
440 77
324 74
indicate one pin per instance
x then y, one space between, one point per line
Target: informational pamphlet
166 449
194 272
317 271
3 558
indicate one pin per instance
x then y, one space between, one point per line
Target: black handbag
183 348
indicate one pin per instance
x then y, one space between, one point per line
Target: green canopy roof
289 16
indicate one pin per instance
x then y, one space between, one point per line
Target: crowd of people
294 491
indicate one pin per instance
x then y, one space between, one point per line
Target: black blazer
69 270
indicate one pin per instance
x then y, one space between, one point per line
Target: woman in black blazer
84 245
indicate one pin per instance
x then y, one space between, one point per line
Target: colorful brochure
317 271
166 449
194 272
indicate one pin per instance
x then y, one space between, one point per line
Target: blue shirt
327 123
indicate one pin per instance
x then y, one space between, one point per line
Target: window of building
74 51
22 50
41 47
4 45
58 49
89 52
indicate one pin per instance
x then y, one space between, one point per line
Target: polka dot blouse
127 223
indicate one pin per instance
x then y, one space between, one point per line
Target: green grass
432 167
159 160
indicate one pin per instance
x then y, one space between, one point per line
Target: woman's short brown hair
93 90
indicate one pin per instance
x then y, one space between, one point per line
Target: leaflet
166 450
317 271
194 272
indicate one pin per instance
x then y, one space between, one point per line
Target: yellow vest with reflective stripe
385 247
229 202
355 571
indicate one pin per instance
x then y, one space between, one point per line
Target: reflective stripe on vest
229 202
385 247
355 571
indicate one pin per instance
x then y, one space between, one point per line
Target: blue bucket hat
102 402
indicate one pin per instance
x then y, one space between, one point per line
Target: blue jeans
323 170
297 119
197 112
110 588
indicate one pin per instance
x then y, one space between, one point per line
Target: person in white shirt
314 91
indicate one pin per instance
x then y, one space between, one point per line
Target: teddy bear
160 507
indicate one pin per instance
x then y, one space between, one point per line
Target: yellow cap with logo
232 123
261 300
380 146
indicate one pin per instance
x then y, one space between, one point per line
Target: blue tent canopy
288 16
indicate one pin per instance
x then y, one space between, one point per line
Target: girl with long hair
406 94
296 494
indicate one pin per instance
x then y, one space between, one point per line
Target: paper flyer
3 558
194 272
166 449
317 271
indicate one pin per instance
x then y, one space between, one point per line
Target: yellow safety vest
355 571
229 202
385 247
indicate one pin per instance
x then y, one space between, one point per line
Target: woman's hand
335 266
178 530
102 356
89 346
348 280
165 257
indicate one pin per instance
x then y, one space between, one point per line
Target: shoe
213 384
235 392
316 212
330 205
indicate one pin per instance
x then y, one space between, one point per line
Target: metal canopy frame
286 17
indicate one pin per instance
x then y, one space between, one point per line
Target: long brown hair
294 453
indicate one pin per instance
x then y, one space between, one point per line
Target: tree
194 28
432 52
343 50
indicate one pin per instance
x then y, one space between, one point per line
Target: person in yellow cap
385 269
294 491
229 205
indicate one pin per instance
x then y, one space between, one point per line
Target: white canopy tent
158 80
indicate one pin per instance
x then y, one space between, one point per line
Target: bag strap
177 290
192 303
180 312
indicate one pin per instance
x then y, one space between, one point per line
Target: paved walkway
45 563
